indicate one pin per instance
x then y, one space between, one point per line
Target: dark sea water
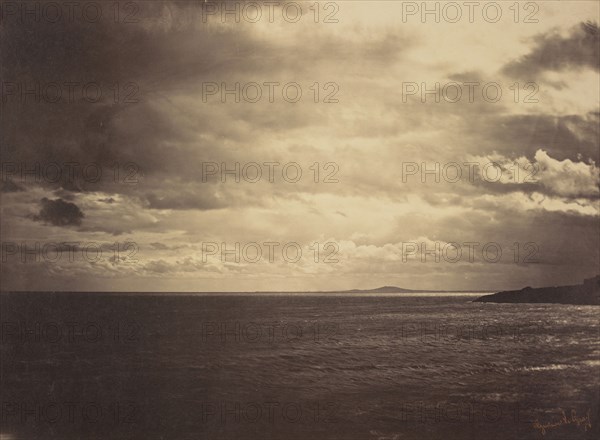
179 367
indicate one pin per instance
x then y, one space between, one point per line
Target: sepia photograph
299 220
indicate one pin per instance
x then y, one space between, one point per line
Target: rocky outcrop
587 293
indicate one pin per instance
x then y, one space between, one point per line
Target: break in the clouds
126 161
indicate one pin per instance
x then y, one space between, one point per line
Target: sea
303 366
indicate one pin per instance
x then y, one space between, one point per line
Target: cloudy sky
116 132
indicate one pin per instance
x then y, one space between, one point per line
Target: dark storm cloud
555 52
59 213
8 186
158 62
563 137
148 61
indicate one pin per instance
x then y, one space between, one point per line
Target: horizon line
373 291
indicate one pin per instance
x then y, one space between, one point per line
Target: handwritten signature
573 419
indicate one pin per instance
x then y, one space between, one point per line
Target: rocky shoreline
587 293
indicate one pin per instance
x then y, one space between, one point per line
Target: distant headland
587 293
394 289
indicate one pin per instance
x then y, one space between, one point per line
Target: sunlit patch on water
549 367
592 363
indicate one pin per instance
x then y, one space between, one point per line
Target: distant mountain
384 289
394 289
587 293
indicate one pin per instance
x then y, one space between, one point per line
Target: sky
175 146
